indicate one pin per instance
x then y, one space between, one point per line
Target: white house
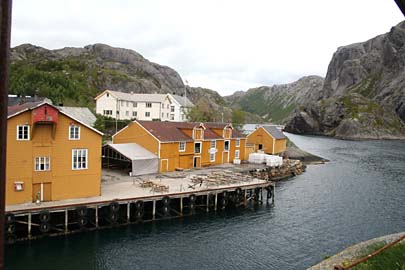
123 106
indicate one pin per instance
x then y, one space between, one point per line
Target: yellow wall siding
51 141
280 146
260 136
134 133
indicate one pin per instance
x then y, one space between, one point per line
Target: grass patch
392 258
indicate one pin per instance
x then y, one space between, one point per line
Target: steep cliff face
275 103
363 95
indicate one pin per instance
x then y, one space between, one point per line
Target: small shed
268 139
130 156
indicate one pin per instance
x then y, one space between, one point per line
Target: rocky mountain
363 95
276 103
74 76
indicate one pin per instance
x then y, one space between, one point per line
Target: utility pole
5 28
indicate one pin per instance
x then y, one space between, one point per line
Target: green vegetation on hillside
62 81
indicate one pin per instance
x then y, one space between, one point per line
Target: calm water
357 196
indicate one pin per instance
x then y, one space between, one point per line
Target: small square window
23 132
74 132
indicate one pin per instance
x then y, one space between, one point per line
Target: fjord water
358 195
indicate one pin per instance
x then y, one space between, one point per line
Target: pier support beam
29 225
181 205
216 201
154 210
128 212
208 202
96 216
66 220
244 197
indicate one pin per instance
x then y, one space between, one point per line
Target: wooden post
154 210
29 225
274 192
244 198
5 33
128 211
216 201
208 202
66 220
96 216
181 205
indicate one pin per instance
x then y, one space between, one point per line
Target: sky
223 45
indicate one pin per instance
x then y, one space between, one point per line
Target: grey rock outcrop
363 95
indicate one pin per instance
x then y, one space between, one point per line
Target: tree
238 119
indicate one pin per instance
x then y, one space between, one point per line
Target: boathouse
182 145
268 139
51 154
131 157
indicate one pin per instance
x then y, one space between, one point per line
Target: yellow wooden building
267 139
51 155
181 145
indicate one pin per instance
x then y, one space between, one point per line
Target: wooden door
42 191
164 165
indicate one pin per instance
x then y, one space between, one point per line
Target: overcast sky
222 45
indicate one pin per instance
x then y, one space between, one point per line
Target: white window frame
214 145
182 146
172 116
134 104
80 153
147 114
148 105
23 137
126 113
212 157
200 147
134 114
74 138
237 143
44 161
172 108
229 145
237 154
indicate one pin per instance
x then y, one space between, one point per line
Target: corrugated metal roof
82 114
183 101
132 151
135 97
273 131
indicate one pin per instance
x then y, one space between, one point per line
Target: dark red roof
15 109
171 131
167 131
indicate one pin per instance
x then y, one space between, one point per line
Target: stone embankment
289 168
352 253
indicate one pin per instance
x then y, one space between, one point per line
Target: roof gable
274 132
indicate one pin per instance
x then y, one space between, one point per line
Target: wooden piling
216 201
66 221
154 210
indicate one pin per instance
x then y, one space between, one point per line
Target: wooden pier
215 192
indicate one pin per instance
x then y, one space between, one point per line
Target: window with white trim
237 154
134 104
74 132
214 144
172 117
212 157
134 114
107 112
182 146
147 114
23 132
79 159
172 108
126 113
237 142
42 163
148 105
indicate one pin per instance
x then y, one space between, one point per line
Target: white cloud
223 45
